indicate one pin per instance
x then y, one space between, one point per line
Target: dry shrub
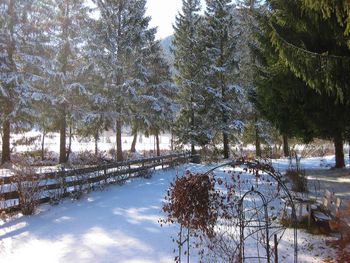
147 174
29 187
296 174
189 203
200 209
298 180
341 224
89 158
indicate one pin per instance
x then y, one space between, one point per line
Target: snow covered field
106 142
120 224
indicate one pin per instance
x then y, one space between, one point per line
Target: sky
163 13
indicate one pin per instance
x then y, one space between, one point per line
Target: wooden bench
327 210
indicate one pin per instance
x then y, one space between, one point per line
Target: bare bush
30 187
298 180
82 187
147 174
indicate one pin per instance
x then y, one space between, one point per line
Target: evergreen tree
330 9
221 68
256 130
188 58
156 98
120 37
22 65
314 48
66 22
286 99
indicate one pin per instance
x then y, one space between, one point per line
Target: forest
245 72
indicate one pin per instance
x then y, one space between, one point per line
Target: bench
327 210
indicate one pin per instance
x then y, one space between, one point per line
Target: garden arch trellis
256 166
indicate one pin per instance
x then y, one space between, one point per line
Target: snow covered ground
106 142
120 224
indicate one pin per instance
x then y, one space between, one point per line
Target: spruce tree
286 99
65 26
314 48
120 37
222 94
157 109
330 9
256 129
23 63
188 60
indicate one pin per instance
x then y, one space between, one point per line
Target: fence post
105 173
64 180
276 248
309 216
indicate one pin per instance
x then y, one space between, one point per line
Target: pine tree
221 67
330 9
119 40
22 64
157 97
321 59
256 129
188 58
65 25
286 99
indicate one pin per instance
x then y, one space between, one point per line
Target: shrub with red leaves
190 202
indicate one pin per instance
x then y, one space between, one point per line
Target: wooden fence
57 185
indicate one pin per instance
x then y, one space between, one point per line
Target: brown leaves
190 202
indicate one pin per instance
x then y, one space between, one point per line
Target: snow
306 163
106 143
120 224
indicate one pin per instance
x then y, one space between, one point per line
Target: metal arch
242 227
275 175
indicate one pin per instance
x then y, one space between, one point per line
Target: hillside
166 45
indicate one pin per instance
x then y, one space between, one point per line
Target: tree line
243 71
71 65
294 75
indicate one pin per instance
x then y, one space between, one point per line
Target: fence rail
60 184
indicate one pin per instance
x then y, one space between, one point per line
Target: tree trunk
6 130
193 150
6 125
43 146
257 142
69 143
339 152
286 151
172 142
157 143
226 145
133 144
96 143
63 125
119 141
